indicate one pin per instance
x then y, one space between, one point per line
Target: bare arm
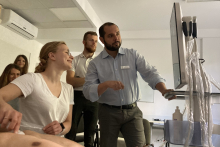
68 122
71 79
162 88
54 127
7 113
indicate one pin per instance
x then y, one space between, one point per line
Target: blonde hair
45 50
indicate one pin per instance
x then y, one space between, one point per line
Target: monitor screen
178 47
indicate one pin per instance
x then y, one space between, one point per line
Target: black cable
202 60
184 27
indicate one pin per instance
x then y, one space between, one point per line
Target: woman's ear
51 56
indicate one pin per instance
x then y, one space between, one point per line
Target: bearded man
111 80
76 77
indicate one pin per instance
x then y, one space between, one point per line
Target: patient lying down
33 139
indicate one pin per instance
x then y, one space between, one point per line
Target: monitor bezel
181 47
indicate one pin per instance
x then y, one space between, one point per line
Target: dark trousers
90 110
128 121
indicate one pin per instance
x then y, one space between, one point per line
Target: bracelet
63 128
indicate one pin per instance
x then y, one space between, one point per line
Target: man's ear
51 56
84 42
101 39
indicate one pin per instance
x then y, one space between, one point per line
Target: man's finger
122 85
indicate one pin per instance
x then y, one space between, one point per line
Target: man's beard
90 49
111 47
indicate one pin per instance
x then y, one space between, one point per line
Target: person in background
111 80
11 72
45 101
22 62
76 77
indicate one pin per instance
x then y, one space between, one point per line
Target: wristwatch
63 127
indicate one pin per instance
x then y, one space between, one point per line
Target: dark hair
43 57
24 70
5 75
89 33
101 29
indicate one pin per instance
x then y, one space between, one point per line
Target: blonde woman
45 101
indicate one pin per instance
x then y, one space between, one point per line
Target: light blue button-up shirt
122 68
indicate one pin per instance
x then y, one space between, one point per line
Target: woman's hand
53 128
10 119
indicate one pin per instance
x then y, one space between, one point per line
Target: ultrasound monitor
178 47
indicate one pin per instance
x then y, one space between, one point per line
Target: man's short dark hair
101 29
87 33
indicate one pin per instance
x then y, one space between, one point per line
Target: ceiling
136 15
38 12
68 20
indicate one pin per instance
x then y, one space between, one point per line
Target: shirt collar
105 54
82 55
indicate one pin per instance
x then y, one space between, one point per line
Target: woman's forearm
67 125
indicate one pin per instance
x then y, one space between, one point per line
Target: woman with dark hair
22 62
45 101
11 72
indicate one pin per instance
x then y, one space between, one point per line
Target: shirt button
122 100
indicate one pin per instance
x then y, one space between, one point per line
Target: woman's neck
53 76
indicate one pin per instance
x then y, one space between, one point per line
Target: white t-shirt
79 66
39 106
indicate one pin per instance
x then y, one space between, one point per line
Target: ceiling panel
27 4
39 15
58 3
49 25
7 5
78 24
66 14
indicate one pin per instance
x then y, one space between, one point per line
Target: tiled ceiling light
68 14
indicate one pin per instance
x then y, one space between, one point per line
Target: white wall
12 41
157 53
211 53
9 38
12 52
